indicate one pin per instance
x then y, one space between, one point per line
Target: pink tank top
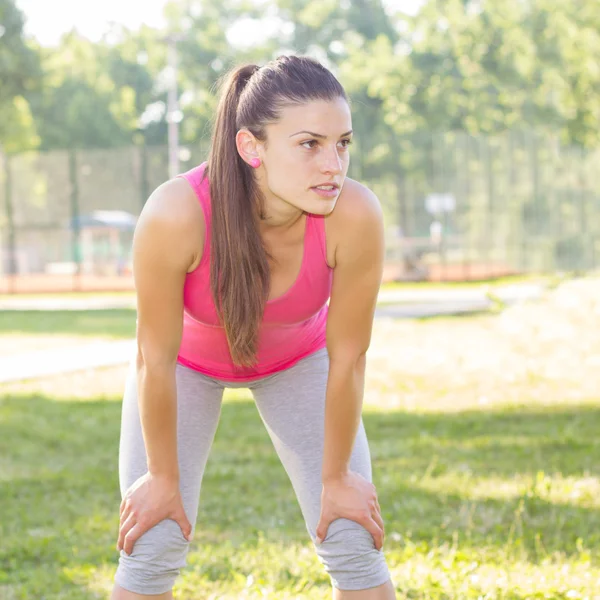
293 324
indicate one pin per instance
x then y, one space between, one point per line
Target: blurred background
477 124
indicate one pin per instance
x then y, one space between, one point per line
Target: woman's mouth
326 191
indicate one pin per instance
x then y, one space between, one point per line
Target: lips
326 192
327 186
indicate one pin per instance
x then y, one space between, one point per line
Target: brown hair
251 98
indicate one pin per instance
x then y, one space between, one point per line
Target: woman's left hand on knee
351 496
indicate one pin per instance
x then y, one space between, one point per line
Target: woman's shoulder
175 216
356 201
357 215
174 202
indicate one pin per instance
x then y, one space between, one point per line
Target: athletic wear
291 403
293 325
289 386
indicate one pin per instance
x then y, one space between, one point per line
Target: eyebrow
320 135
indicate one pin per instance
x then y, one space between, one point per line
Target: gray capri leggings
291 404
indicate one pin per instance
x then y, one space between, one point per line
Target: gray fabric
291 403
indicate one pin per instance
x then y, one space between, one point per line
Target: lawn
31 330
118 323
484 438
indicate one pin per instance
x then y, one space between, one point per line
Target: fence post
490 248
524 241
75 222
535 181
401 189
10 223
441 186
401 194
144 187
462 167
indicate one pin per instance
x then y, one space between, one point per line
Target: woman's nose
332 162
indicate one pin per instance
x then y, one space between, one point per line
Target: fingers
178 515
132 537
130 531
123 505
376 510
321 534
186 527
375 530
376 516
125 527
321 530
134 523
124 515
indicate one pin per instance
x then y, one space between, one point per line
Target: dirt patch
11 344
547 351
91 384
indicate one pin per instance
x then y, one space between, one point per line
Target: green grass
69 295
488 476
551 280
119 323
477 504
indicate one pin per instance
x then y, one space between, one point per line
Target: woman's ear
247 145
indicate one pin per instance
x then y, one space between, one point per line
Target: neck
280 220
278 214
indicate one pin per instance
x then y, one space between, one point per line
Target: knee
154 564
350 558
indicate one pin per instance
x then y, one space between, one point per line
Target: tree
73 108
19 75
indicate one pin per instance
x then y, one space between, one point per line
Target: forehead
330 118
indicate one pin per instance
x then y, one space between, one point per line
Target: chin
322 208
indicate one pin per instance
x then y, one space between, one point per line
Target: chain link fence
456 207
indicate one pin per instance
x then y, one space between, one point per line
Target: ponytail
239 270
251 98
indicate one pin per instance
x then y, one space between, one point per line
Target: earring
255 163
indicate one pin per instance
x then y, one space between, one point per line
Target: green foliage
484 67
81 105
19 75
477 67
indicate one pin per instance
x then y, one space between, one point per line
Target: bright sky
47 20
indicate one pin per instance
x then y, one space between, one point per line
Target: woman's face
306 149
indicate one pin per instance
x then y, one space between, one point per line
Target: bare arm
168 235
166 241
356 281
357 276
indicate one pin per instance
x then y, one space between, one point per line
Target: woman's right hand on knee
148 501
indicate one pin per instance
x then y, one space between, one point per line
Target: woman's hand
150 500
352 497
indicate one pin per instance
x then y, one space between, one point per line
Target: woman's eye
309 144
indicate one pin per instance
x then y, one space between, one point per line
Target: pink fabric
293 324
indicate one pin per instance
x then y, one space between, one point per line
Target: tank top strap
195 177
316 240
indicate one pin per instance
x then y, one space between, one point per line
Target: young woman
234 262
